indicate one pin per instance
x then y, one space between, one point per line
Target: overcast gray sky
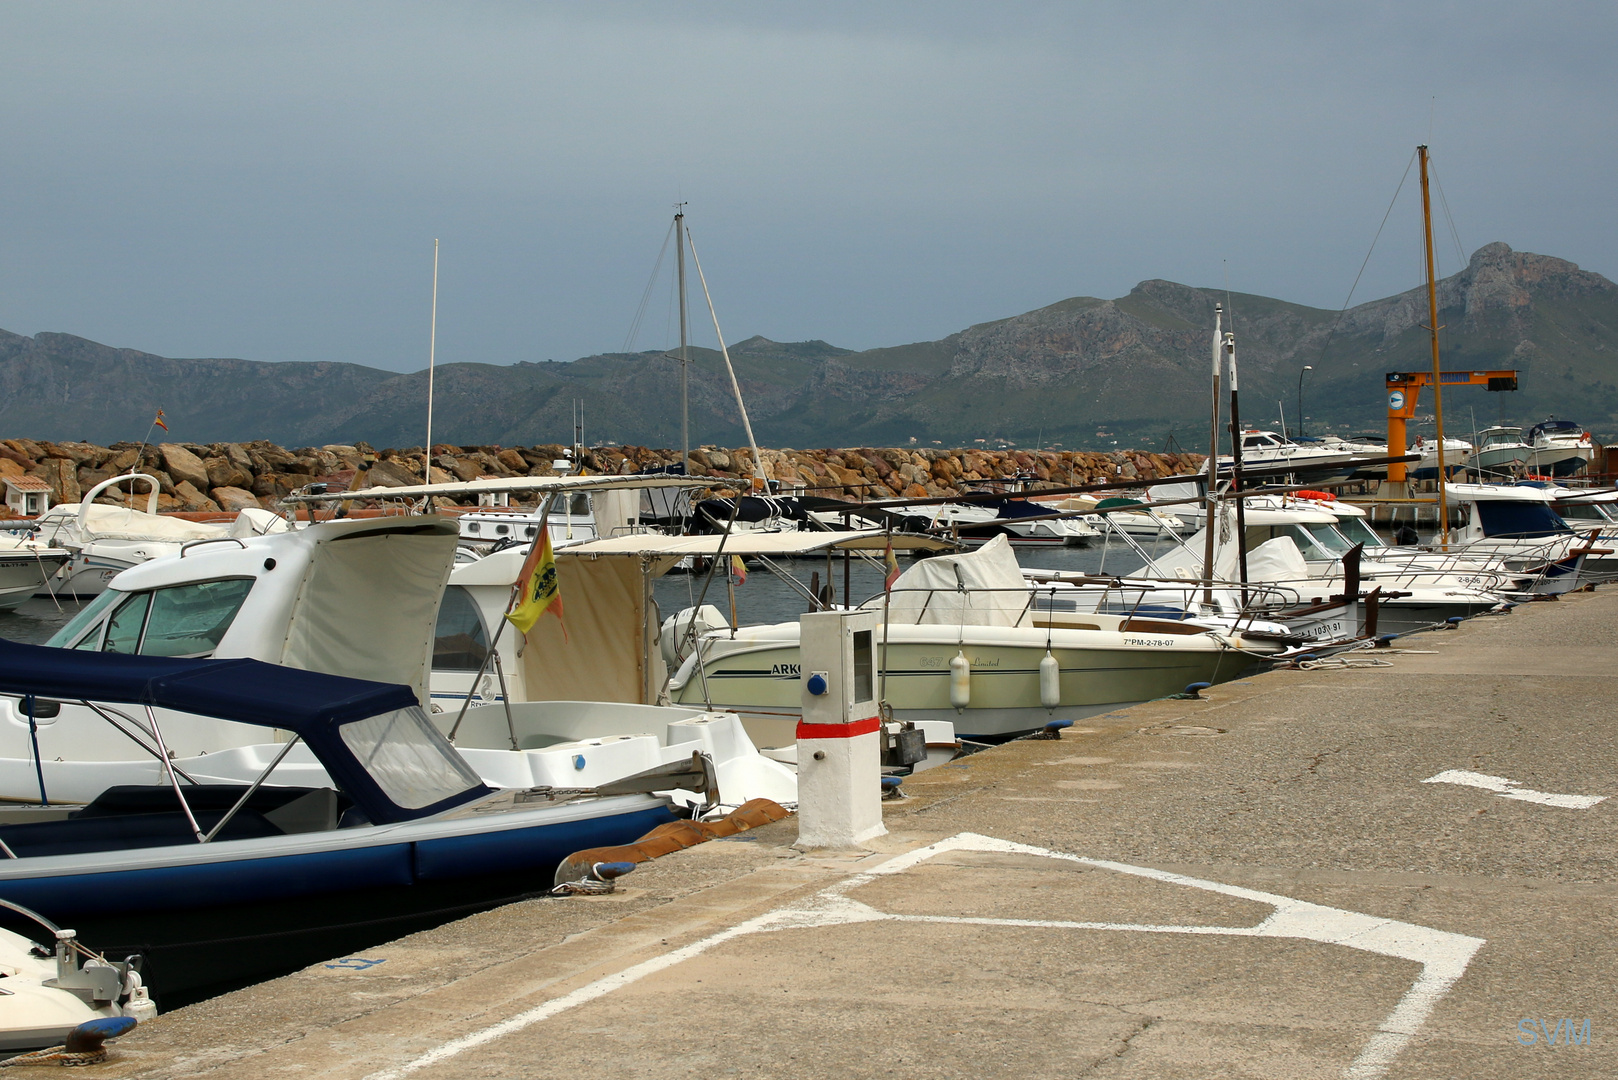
266 180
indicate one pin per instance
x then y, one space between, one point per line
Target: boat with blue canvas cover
214 877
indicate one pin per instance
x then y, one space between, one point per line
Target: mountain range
1081 373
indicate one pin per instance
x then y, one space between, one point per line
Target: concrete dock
1260 884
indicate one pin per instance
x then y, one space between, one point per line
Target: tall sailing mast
1432 325
685 367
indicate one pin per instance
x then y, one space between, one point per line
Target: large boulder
223 472
192 499
387 473
184 466
234 499
63 478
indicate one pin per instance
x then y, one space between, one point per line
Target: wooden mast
1432 326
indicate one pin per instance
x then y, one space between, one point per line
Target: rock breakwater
227 477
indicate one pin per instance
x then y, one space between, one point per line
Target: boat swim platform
1352 871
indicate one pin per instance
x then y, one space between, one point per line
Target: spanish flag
537 589
892 564
159 420
738 569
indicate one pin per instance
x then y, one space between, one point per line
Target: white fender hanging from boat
960 681
1050 681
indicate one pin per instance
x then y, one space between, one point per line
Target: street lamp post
1306 367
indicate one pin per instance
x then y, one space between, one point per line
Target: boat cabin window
1358 532
460 643
83 631
1255 441
123 629
1308 546
574 505
189 620
181 620
1329 538
410 761
1582 511
1521 520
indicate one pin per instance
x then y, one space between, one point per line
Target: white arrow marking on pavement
1509 789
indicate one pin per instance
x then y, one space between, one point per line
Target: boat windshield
410 761
1358 532
1582 511
90 616
1329 538
181 620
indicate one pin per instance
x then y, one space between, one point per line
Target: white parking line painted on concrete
1509 789
1444 956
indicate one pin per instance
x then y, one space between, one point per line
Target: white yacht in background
105 540
1456 454
27 567
1270 450
1558 448
964 640
1501 453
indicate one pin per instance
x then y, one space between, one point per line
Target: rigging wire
1351 289
1460 251
646 296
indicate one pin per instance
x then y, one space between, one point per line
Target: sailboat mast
685 368
432 349
1432 325
1213 460
1236 462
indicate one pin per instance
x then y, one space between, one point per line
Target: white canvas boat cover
102 522
385 575
517 485
976 588
758 543
1277 559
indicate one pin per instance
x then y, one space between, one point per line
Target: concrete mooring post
839 737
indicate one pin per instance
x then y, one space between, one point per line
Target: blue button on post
817 684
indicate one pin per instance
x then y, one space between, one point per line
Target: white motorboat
27 568
360 598
105 540
1132 516
1456 454
964 641
1558 448
1517 524
1296 553
1501 454
1273 453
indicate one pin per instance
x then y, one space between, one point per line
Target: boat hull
212 915
762 683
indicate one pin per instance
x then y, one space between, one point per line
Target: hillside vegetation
1083 372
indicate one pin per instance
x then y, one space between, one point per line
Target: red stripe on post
838 731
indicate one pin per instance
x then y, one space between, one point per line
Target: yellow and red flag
537 588
159 420
892 563
738 569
